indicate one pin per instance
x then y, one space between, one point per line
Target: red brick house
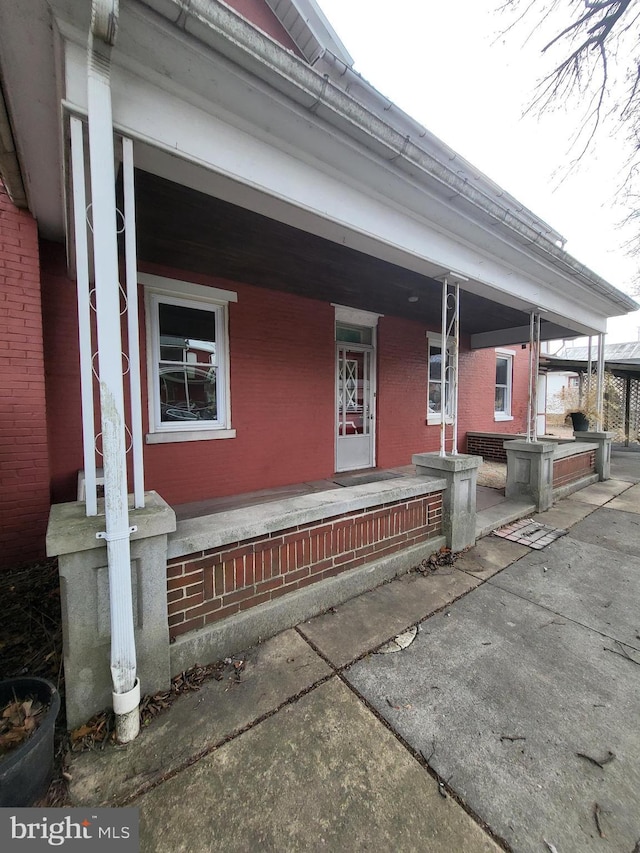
284 240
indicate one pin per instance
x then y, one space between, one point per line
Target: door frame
366 319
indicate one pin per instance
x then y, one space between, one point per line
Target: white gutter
126 686
218 27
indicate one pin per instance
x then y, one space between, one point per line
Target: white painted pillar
84 314
449 364
444 363
600 385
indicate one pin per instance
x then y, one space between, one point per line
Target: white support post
126 687
587 401
529 395
444 359
534 369
536 372
84 314
449 363
455 328
131 267
600 385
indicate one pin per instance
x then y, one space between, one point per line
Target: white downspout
126 686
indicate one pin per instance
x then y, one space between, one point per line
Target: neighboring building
567 378
283 257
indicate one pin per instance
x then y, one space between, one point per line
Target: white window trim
159 289
506 416
355 317
434 339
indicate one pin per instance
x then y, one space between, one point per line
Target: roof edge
316 26
10 171
218 27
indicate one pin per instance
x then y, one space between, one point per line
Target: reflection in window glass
503 385
435 379
188 364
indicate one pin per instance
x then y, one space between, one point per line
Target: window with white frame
438 385
504 384
188 361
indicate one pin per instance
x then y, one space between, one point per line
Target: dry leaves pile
18 721
97 732
31 640
443 557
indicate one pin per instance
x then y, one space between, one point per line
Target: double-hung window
504 384
188 361
438 384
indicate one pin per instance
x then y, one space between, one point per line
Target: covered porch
293 252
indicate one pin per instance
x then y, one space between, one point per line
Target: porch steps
490 519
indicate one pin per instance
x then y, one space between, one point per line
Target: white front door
355 412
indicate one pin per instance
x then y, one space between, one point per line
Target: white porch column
600 385
449 364
534 369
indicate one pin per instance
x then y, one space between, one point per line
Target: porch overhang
240 127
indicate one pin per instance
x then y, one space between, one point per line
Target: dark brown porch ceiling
182 228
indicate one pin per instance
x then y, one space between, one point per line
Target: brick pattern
476 398
573 468
210 585
487 446
24 454
282 364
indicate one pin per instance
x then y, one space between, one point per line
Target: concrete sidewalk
472 738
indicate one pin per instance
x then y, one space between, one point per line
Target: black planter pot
580 422
26 771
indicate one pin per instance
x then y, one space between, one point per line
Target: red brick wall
262 17
24 461
476 399
573 468
402 393
487 446
64 416
209 585
282 394
282 402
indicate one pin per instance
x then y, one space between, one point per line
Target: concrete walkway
486 732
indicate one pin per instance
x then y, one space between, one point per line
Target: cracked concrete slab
599 494
489 556
612 528
502 695
564 514
274 672
361 624
583 583
628 501
625 464
322 774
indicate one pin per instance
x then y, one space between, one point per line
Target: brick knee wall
573 468
488 446
210 585
24 456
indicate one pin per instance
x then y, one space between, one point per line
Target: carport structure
623 417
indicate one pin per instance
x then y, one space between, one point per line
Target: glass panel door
354 408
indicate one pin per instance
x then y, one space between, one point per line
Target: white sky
446 64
